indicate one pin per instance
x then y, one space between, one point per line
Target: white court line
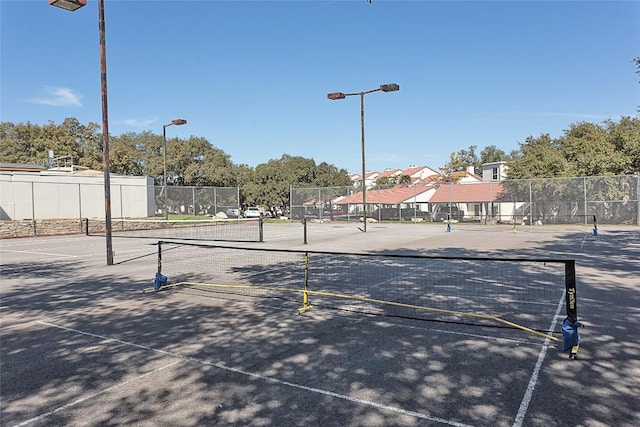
584 240
258 376
526 399
40 253
97 393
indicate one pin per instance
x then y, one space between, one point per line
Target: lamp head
336 95
390 87
69 5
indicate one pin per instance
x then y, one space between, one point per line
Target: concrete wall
46 195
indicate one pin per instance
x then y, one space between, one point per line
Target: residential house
494 172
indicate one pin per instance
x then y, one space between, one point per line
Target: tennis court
83 345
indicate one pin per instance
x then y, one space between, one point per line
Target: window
494 173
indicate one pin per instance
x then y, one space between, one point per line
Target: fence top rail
412 256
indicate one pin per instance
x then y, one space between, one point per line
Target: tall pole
164 174
105 132
391 87
73 5
364 181
177 122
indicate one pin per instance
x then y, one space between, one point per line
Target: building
34 192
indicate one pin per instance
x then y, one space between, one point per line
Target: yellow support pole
305 294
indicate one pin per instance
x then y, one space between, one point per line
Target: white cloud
59 97
140 123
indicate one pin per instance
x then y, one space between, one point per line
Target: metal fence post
638 198
584 186
530 204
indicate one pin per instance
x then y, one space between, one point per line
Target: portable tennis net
525 294
232 230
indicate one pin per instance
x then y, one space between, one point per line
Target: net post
160 281
570 289
305 294
86 226
572 309
261 229
159 257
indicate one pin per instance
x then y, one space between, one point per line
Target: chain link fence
608 199
580 200
339 204
322 202
197 201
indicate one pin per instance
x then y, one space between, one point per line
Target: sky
252 77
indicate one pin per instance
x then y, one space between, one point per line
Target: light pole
177 122
391 87
73 5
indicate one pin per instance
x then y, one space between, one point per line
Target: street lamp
391 87
73 5
177 122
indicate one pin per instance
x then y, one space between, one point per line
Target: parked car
443 214
233 213
252 212
334 213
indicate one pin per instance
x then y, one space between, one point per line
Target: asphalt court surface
81 345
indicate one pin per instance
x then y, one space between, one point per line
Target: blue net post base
159 282
570 337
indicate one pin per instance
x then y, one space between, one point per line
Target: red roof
467 193
388 196
389 172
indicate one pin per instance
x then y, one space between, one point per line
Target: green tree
126 156
274 179
30 143
625 138
585 149
330 176
589 152
491 154
539 157
21 143
403 180
466 158
448 173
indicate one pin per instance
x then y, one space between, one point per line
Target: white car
252 212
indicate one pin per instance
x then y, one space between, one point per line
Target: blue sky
252 76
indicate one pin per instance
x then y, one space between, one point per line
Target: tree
585 149
448 173
466 158
403 180
589 152
491 154
330 176
625 138
539 157
29 143
142 155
